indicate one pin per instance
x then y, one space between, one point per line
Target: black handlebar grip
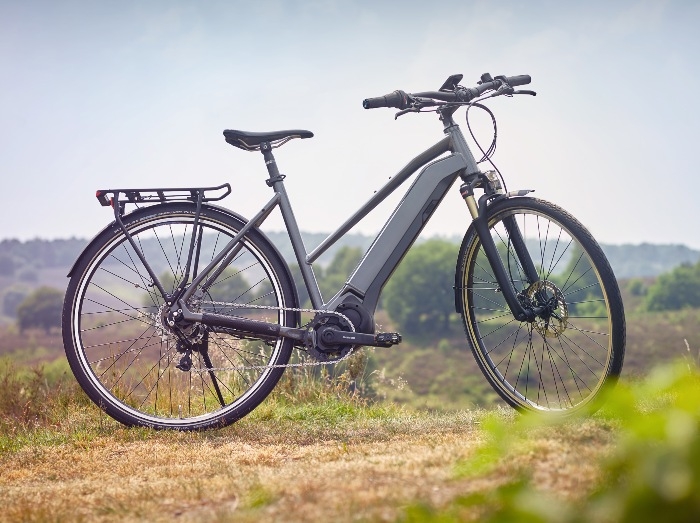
373 103
397 99
521 79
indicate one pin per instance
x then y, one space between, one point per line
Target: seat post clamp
274 179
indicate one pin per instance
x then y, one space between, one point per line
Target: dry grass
284 463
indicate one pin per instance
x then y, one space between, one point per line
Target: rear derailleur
194 338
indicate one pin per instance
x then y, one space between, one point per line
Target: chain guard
340 352
320 352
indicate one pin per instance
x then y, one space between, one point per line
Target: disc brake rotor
552 322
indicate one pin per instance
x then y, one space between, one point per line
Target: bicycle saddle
251 141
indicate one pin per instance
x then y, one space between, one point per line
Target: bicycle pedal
387 339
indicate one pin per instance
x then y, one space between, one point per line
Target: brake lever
404 111
505 89
531 93
417 104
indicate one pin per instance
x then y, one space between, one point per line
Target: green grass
362 443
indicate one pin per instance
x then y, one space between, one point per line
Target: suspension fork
516 239
478 213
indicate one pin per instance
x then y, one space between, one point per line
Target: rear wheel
133 364
562 360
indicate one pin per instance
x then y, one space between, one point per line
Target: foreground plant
654 467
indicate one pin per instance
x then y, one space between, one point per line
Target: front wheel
127 357
575 346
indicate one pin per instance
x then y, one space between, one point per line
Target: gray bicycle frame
393 241
403 226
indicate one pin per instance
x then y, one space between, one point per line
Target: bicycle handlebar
401 100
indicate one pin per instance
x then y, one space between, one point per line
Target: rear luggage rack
107 197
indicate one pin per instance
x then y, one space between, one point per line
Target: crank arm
382 339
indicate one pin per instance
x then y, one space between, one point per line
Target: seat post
271 164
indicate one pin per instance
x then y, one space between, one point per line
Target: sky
107 94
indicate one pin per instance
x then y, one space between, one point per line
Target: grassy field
432 443
324 456
314 452
440 372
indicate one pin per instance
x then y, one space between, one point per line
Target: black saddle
251 141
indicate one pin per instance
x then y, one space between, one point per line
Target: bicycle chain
279 365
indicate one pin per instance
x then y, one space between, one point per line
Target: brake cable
487 155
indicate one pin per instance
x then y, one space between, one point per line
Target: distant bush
637 287
11 301
41 309
675 290
419 296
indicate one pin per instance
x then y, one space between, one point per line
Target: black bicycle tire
111 236
466 266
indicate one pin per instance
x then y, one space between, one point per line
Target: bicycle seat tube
276 181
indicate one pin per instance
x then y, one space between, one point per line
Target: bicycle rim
128 357
561 361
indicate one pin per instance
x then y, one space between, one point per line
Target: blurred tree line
418 297
15 255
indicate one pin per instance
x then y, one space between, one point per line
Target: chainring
324 323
